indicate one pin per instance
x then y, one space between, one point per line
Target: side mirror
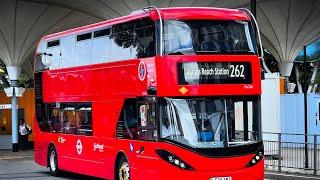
46 59
43 61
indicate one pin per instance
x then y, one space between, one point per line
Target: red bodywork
108 85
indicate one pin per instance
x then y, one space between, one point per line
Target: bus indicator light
61 140
183 90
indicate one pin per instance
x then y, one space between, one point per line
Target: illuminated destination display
214 73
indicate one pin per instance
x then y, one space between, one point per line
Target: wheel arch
116 163
48 151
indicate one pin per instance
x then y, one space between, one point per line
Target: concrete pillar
285 71
14 73
286 68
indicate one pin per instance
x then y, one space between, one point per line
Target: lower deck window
68 118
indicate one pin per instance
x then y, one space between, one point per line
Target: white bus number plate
221 178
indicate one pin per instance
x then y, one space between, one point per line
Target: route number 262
237 71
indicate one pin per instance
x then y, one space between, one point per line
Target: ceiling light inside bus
173 159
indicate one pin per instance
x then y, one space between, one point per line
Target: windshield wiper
206 51
233 51
175 53
240 142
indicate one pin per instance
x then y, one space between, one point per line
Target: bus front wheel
53 161
123 170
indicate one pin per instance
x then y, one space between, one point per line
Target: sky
312 50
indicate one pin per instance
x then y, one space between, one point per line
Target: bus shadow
72 176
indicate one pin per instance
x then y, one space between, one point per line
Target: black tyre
123 170
53 161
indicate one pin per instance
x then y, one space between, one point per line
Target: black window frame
121 124
53 43
44 114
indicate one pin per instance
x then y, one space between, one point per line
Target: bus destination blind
214 73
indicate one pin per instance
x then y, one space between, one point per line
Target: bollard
279 150
315 154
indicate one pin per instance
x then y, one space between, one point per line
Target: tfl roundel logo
142 71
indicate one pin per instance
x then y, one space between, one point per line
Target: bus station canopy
285 25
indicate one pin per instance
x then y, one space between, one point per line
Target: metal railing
290 153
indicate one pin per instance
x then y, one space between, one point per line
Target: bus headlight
257 158
173 159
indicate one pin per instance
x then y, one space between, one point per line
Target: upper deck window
83 49
207 37
103 32
125 41
101 46
84 36
134 39
53 43
54 54
144 38
68 51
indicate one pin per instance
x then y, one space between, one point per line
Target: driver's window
147 123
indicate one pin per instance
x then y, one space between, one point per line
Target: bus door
147 136
77 134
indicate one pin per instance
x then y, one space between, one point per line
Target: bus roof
166 13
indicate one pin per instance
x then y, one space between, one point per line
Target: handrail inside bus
161 25
265 67
258 30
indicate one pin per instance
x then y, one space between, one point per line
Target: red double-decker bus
170 93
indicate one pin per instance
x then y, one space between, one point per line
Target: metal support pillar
254 7
306 162
14 115
14 73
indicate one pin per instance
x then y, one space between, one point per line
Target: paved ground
21 165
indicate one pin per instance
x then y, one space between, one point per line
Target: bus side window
144 38
54 54
83 122
121 41
68 118
128 121
101 46
147 125
55 123
68 51
83 49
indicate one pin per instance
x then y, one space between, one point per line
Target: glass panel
122 41
147 122
68 118
68 51
177 37
56 119
83 52
101 50
209 122
144 39
207 37
128 122
54 57
83 119
121 46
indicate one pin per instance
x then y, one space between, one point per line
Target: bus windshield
208 37
210 122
